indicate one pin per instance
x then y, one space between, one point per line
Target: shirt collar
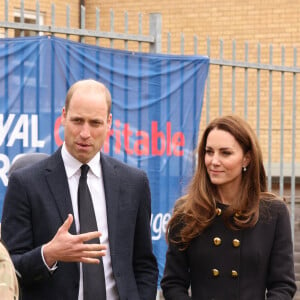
72 165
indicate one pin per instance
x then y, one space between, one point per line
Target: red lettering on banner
178 141
106 142
140 143
157 136
169 136
141 146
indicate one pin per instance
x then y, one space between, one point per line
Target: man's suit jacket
38 201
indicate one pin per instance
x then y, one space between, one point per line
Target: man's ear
63 116
109 121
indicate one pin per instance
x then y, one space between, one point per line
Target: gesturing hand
71 248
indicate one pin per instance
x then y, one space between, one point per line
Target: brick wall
254 22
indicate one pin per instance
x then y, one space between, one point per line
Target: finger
93 247
93 254
82 255
68 222
84 237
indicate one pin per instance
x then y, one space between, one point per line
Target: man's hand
71 248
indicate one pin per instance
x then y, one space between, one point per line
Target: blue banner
157 102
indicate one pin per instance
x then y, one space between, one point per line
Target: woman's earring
244 169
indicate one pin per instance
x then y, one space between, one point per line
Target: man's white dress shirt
95 183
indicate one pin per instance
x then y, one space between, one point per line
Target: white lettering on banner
5 165
159 224
4 161
20 131
35 143
4 127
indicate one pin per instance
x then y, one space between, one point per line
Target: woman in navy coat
228 237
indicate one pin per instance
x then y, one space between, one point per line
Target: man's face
86 123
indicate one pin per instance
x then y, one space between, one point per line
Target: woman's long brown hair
196 210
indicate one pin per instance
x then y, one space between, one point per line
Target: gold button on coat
236 243
218 211
234 273
217 241
215 272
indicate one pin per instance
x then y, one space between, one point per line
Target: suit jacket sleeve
144 262
281 278
16 228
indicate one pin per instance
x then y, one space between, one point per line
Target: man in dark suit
40 221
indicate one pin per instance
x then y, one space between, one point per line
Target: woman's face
224 159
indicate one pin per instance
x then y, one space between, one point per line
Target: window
29 18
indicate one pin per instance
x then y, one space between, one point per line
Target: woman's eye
225 153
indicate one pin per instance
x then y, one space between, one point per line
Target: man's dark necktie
93 274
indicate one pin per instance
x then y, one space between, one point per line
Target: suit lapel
111 182
59 187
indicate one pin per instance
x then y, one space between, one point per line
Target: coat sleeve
176 278
144 261
281 276
16 232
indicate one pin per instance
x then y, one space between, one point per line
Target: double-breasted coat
249 264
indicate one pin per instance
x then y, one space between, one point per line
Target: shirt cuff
52 269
